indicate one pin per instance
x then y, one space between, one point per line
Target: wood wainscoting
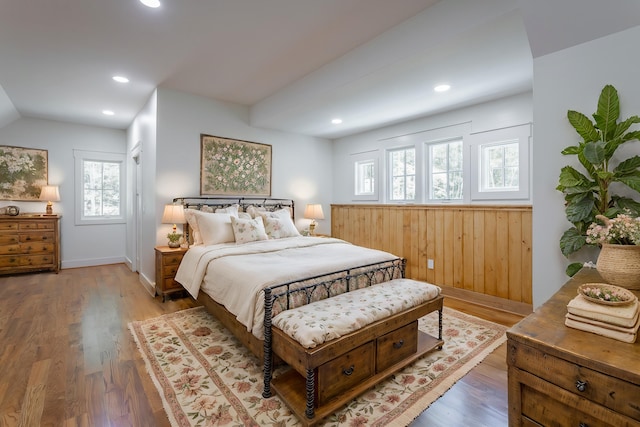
478 251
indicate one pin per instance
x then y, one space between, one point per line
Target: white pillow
233 210
215 228
279 224
190 216
248 230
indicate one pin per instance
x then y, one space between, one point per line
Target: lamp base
312 229
49 208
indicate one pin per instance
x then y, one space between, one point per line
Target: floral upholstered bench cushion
321 321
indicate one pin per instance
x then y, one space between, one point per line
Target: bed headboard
212 203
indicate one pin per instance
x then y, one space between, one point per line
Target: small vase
620 265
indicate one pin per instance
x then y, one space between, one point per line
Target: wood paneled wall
484 249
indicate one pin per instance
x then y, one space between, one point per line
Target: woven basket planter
620 265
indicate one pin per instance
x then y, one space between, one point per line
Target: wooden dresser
29 242
559 376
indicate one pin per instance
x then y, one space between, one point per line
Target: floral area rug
207 378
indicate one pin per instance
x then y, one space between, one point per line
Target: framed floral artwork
23 172
234 167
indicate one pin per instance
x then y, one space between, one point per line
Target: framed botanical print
23 172
234 167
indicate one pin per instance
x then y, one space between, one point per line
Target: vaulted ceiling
296 63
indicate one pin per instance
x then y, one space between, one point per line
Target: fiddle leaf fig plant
588 193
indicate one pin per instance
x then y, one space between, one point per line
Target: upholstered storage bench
339 347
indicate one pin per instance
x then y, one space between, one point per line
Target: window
402 174
99 187
365 175
365 178
500 164
445 170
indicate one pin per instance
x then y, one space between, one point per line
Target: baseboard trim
149 286
491 301
92 262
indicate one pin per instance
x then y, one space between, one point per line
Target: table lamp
50 193
173 214
313 212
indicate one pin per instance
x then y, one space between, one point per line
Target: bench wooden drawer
345 371
395 346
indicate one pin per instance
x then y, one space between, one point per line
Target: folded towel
619 315
616 335
631 330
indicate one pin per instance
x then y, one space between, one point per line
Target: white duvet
234 275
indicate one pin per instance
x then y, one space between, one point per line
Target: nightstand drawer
172 259
170 270
170 283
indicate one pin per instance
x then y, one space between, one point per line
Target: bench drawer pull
398 344
349 371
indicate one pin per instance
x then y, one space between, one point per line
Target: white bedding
234 275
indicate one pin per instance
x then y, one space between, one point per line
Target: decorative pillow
233 210
255 211
248 230
244 215
215 228
279 224
190 216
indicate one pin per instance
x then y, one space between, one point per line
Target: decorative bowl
604 293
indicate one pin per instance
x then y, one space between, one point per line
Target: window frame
428 178
82 156
358 158
390 175
521 135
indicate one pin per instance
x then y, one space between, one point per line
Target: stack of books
619 322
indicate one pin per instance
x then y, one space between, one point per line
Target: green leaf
628 166
570 177
612 145
623 126
631 136
625 204
583 126
594 152
574 149
632 181
573 268
586 164
571 241
580 208
608 111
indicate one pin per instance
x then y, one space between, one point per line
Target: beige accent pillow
248 230
215 228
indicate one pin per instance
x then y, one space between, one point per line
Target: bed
244 274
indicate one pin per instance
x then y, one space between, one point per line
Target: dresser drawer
610 392
345 371
4 226
36 260
395 346
9 239
37 248
36 237
10 260
39 225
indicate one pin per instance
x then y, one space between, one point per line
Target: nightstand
167 262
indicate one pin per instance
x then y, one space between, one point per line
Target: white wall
510 111
301 165
81 245
571 79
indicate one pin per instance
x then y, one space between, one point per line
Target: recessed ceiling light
442 88
336 121
121 79
108 112
151 3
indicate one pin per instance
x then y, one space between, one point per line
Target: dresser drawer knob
583 425
398 344
581 386
349 371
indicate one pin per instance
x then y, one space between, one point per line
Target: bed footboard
293 294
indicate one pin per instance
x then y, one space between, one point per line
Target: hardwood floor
68 359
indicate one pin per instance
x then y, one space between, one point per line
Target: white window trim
428 174
521 134
80 156
389 176
361 158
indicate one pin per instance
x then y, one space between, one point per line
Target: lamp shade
50 193
173 214
313 211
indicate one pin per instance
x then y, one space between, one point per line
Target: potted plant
589 193
174 239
